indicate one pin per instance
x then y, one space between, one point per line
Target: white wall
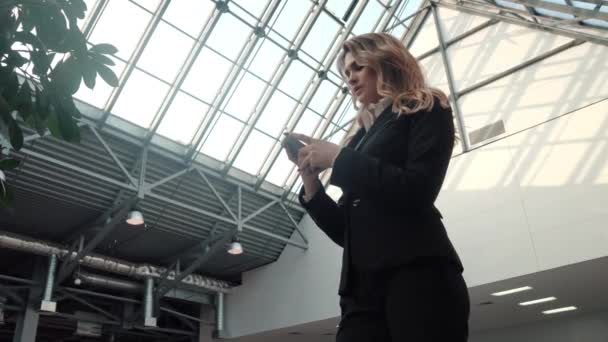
584 328
300 287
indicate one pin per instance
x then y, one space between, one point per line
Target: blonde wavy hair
399 74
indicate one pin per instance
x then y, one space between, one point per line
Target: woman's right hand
310 182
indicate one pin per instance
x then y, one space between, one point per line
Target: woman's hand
317 155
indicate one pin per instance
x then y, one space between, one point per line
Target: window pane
291 17
100 93
320 37
122 23
222 137
206 75
254 7
253 153
280 169
229 36
323 97
369 18
245 96
189 16
346 112
338 134
140 99
266 60
552 13
165 53
308 123
275 115
509 4
338 7
90 5
183 118
150 5
296 79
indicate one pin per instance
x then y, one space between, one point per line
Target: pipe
109 283
149 320
220 312
50 278
108 264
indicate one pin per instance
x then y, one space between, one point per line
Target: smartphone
292 146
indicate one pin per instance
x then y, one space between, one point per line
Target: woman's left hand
317 154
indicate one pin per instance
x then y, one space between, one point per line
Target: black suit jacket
390 178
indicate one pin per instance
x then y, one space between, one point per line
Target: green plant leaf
7 198
15 134
68 127
42 62
15 60
89 73
51 25
102 59
107 74
8 164
23 100
66 76
10 88
107 49
53 125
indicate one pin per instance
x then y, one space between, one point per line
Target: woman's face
361 81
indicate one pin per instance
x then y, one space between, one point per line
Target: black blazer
390 178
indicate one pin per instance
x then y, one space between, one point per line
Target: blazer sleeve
417 182
326 213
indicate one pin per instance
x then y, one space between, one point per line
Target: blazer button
356 202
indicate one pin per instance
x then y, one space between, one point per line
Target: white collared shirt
369 114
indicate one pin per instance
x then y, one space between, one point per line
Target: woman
401 277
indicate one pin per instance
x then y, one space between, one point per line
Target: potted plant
44 58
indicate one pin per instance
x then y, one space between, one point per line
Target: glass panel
509 4
308 123
122 23
280 169
189 16
99 95
140 99
254 152
320 36
245 96
266 60
166 52
183 118
245 15
206 75
368 19
222 137
291 17
410 8
275 115
150 5
90 5
346 112
229 27
339 134
296 79
556 14
323 97
338 7
596 22
255 8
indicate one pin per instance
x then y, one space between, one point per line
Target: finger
306 163
304 138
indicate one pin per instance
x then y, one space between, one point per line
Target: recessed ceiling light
519 289
558 310
538 301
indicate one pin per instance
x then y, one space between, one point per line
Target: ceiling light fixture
538 301
235 247
558 310
135 218
519 289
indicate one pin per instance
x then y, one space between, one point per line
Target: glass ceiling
224 79
220 78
